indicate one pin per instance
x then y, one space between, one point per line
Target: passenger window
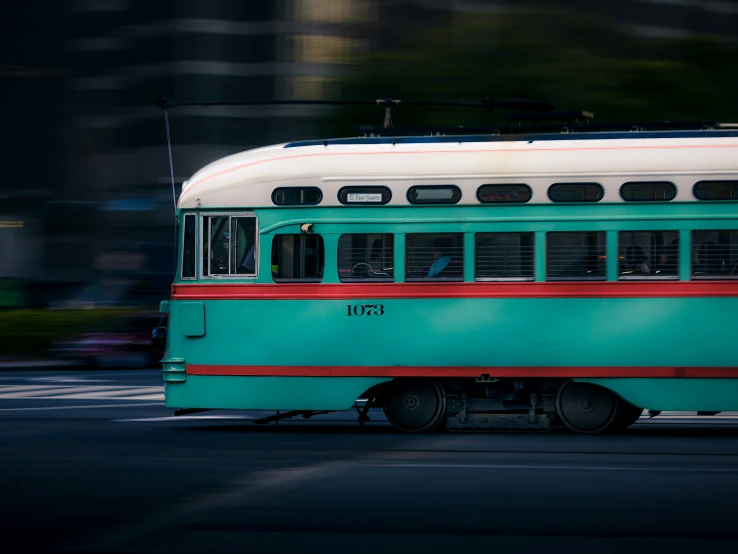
575 256
229 245
435 256
648 191
297 196
188 247
366 257
504 256
298 258
434 194
715 254
716 190
648 254
504 194
576 192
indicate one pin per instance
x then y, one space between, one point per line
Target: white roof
246 180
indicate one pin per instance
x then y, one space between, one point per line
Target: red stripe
349 291
395 371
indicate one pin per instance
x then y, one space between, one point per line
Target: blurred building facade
105 205
86 202
125 54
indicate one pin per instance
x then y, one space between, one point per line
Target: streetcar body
499 269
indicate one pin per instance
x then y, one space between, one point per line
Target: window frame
570 184
456 189
650 277
312 280
530 193
201 256
278 189
724 181
645 184
600 278
692 276
391 278
381 188
505 279
459 279
195 217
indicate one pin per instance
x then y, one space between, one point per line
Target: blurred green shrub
31 332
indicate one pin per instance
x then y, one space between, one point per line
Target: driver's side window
229 246
366 257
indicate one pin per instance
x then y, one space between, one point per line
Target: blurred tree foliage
577 63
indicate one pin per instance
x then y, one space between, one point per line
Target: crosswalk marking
21 388
147 397
134 392
71 392
35 393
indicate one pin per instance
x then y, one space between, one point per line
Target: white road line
557 468
686 415
88 406
85 392
19 388
694 421
461 439
92 376
69 379
159 396
130 393
686 418
60 391
179 418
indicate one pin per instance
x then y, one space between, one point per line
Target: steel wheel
586 408
414 405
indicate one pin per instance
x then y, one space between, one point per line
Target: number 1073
364 309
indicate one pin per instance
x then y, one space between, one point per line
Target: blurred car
127 342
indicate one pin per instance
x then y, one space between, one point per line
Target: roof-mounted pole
388 110
171 163
165 104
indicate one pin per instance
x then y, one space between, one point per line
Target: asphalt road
91 461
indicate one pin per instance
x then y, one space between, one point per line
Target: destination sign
363 197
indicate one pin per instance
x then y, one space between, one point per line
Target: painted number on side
364 309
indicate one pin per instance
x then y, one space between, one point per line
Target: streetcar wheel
586 408
628 414
414 405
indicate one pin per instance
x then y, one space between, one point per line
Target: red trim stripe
395 371
350 291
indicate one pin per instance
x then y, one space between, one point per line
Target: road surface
93 462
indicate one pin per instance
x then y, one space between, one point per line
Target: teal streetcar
476 281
